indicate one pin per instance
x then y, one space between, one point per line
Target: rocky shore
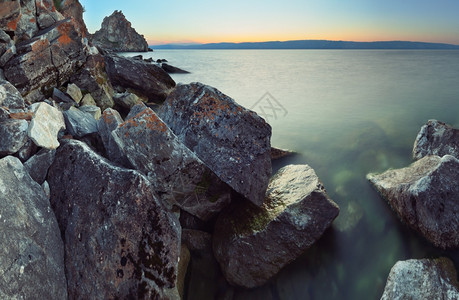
103 197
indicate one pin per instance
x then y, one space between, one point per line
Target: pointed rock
233 141
120 242
436 138
253 243
31 248
45 126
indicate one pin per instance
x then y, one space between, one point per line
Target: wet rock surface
31 249
422 279
253 243
120 242
436 138
424 195
233 141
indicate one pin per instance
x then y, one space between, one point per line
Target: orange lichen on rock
64 29
39 45
147 118
13 24
211 107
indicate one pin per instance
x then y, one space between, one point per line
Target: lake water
347 113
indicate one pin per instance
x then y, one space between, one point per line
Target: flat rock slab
232 141
31 248
46 123
178 175
425 196
422 279
13 135
120 242
253 243
436 138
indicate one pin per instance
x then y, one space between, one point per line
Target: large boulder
422 279
79 123
93 79
10 96
120 242
31 248
56 52
118 35
425 196
47 122
144 79
13 135
233 141
253 243
177 174
436 138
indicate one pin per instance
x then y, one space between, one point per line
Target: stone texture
422 279
253 243
93 79
4 114
93 110
74 10
233 141
88 100
31 249
13 135
177 174
27 150
118 35
61 97
47 15
126 100
79 123
45 126
10 96
10 13
74 92
37 166
120 242
109 121
144 79
436 138
425 196
56 52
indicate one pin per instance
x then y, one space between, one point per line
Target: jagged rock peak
117 34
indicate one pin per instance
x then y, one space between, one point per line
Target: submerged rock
120 242
146 80
233 141
31 249
13 135
436 138
425 196
178 175
422 279
253 243
118 35
277 153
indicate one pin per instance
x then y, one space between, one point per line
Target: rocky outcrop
425 195
436 138
31 249
232 140
118 35
422 279
253 243
177 174
56 52
120 242
74 10
144 79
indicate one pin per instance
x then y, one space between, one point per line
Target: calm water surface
347 113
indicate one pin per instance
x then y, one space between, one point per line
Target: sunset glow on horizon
205 21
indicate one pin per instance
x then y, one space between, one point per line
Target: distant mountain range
312 44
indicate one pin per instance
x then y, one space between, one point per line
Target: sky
206 21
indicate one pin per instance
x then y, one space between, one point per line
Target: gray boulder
171 69
79 123
425 196
120 242
10 96
422 279
233 141
56 52
253 243
146 80
126 100
436 138
47 122
93 110
37 166
177 174
13 135
31 248
109 121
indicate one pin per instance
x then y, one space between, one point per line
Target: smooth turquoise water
349 112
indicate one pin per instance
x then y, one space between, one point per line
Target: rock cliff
118 35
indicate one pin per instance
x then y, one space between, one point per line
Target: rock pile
94 201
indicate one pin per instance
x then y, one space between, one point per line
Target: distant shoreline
313 45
